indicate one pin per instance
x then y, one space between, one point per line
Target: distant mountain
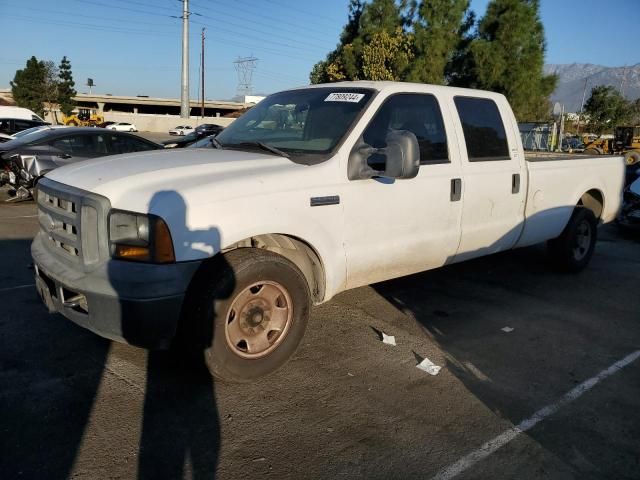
572 76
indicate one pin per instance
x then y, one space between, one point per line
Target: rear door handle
515 183
456 189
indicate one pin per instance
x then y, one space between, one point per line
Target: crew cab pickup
313 191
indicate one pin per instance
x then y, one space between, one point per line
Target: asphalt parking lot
567 376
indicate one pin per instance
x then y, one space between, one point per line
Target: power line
315 15
305 29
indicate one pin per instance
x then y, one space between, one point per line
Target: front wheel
251 312
573 249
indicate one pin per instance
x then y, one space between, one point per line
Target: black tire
572 250
209 312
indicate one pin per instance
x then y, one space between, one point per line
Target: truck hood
134 178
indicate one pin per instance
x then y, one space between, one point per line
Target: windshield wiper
260 145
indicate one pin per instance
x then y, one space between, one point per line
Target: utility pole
584 95
185 109
202 73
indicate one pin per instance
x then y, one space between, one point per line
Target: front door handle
64 155
456 189
515 183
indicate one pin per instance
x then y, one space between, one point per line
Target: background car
184 141
181 130
9 126
105 124
122 127
24 160
209 128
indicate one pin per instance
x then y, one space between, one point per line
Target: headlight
140 238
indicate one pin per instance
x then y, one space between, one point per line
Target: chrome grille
59 218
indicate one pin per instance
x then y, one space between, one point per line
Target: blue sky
132 47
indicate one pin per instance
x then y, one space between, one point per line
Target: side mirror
402 157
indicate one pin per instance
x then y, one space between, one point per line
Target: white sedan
180 130
122 127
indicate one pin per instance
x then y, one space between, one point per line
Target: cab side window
81 145
126 144
483 129
5 126
418 113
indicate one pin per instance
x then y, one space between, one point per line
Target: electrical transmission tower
245 67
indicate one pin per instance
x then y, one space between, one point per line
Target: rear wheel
573 249
251 311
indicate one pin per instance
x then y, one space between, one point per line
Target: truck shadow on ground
180 424
562 336
54 416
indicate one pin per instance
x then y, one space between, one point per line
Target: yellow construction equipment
85 118
625 141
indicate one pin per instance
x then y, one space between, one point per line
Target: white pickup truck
313 191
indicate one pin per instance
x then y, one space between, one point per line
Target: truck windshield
306 124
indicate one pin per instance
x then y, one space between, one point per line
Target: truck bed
532 156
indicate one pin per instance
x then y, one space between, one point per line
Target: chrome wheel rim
259 319
583 240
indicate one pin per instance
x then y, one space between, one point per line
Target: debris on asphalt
388 339
507 329
428 366
350 374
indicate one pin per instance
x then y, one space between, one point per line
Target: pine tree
438 31
508 57
29 86
66 90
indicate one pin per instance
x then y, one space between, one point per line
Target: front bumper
134 303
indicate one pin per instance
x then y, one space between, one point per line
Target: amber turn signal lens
163 243
133 253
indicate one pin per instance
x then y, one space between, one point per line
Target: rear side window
417 113
483 129
125 144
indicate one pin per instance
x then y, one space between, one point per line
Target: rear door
398 227
494 183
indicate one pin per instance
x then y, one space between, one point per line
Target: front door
398 227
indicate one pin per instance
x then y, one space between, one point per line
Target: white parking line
8 289
505 437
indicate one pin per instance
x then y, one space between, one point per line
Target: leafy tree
386 55
438 31
607 108
508 57
29 85
373 45
66 90
636 112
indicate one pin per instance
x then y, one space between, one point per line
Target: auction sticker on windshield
344 97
